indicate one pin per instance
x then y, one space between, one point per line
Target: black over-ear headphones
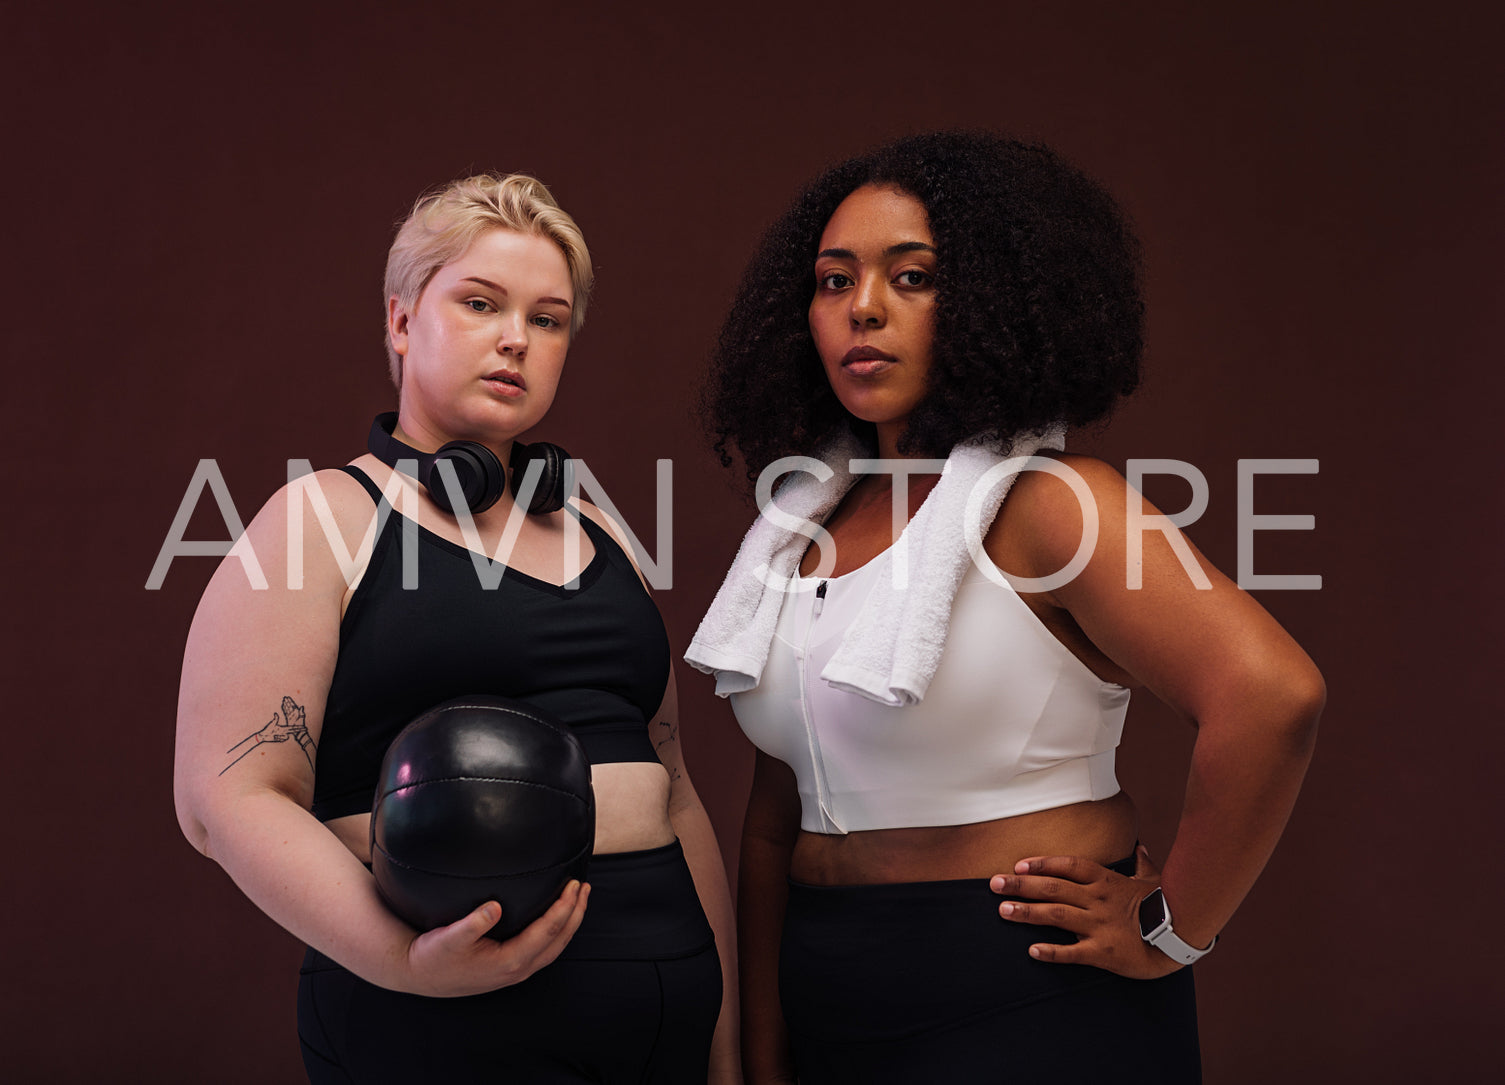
477 469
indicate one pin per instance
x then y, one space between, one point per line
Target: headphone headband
475 470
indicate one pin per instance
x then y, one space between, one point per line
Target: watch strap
1167 941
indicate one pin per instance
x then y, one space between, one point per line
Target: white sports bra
1011 723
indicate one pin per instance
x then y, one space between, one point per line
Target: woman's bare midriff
632 811
1102 831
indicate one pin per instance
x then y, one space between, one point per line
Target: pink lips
866 361
507 383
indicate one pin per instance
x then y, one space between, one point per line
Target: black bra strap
365 480
604 539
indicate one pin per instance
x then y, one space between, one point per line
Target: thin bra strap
365 480
604 539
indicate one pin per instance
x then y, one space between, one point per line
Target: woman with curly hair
940 877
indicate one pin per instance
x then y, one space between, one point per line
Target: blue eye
478 305
543 320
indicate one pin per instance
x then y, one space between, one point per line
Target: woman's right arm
769 832
256 672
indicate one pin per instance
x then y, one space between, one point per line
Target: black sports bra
592 652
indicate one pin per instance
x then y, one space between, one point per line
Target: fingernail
1007 909
1021 867
998 884
1034 951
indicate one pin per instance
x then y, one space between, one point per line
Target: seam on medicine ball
480 780
477 877
493 708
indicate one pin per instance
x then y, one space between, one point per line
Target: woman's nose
513 337
867 303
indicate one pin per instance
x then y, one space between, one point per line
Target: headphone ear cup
477 470
556 481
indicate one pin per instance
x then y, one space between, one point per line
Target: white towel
894 645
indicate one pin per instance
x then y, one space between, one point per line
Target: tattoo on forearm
290 724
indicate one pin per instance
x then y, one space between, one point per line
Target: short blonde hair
444 223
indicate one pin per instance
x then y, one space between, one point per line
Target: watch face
1151 913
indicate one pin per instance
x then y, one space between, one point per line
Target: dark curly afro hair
1038 320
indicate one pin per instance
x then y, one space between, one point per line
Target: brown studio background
199 211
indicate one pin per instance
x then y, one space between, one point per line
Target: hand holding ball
481 798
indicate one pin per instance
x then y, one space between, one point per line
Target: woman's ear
397 325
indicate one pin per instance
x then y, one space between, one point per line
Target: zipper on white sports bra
817 763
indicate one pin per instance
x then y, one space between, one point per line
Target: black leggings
634 998
924 982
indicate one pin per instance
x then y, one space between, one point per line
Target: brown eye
913 277
835 281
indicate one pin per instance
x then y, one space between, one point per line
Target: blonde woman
627 977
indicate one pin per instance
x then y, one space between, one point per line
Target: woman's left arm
693 827
1212 654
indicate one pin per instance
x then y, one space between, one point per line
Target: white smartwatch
1155 928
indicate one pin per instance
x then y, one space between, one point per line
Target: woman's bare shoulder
1052 503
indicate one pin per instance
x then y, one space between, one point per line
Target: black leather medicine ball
481 798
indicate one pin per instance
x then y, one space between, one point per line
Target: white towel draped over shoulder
893 648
